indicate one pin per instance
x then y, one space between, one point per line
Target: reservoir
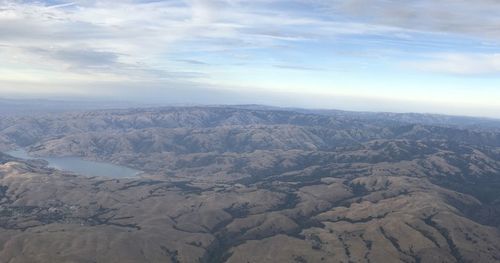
79 166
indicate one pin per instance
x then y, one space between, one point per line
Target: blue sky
378 55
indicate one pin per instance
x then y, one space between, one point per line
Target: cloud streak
86 35
219 43
460 64
469 18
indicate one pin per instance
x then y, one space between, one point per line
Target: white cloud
477 18
461 64
136 37
77 45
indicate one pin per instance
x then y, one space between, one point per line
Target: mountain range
251 184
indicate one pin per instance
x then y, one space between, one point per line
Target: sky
371 55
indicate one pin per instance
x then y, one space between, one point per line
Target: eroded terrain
250 185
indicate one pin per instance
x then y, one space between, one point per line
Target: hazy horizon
62 104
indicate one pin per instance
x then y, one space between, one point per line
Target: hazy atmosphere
257 131
402 56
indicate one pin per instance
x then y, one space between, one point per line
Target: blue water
80 166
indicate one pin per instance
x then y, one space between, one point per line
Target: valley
237 184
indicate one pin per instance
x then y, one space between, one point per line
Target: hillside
236 184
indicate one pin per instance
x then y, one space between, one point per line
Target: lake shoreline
80 166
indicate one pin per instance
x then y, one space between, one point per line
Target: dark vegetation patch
446 234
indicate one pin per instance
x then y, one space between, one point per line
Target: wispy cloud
79 57
192 61
460 64
141 34
211 43
61 5
297 67
470 18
